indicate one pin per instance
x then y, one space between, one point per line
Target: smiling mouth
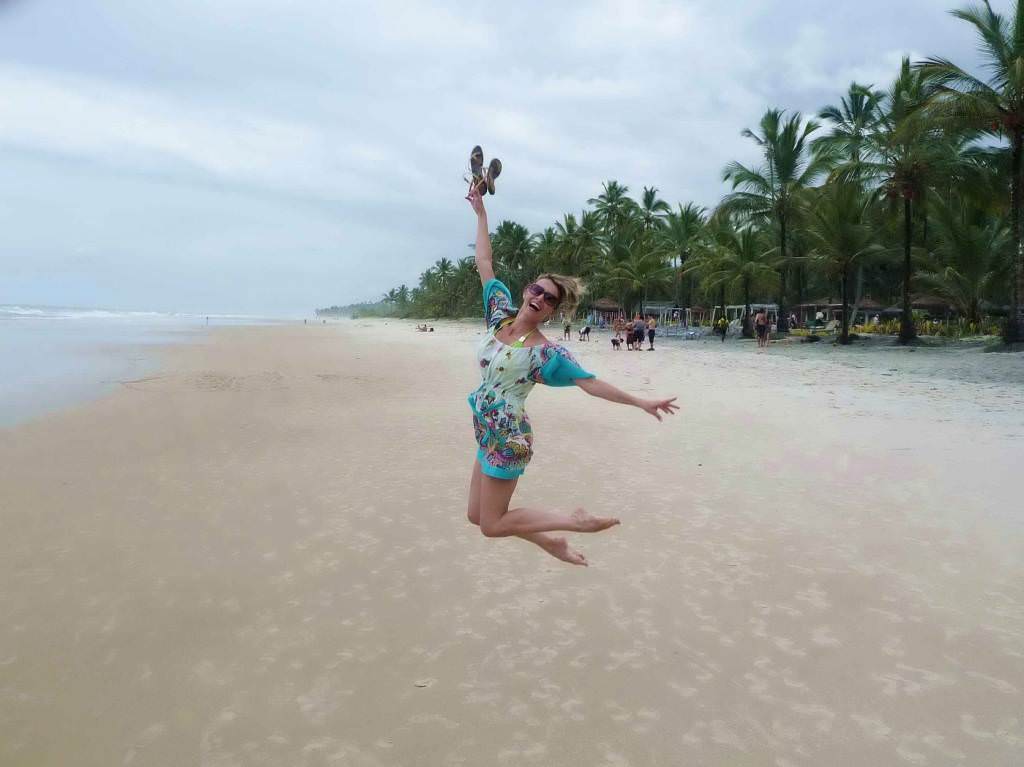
534 305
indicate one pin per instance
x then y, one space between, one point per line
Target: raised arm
483 238
598 388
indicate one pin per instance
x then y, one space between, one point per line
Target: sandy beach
259 555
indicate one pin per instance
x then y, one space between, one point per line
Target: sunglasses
536 290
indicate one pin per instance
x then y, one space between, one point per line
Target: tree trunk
907 329
783 318
1014 329
748 331
844 337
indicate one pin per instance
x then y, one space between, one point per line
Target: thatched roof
607 305
929 302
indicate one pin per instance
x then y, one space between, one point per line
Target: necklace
518 343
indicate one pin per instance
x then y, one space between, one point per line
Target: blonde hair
570 291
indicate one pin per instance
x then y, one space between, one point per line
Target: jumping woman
514 356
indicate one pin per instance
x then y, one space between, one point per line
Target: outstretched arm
598 388
483 238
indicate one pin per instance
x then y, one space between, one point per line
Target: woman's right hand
476 200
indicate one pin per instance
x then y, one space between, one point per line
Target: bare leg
555 545
497 520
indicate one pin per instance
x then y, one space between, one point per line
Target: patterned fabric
508 375
497 303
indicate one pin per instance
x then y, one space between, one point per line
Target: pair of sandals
482 179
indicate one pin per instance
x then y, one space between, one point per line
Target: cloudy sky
263 156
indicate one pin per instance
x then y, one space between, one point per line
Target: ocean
55 357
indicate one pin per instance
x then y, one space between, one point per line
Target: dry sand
260 556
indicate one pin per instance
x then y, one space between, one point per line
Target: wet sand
260 556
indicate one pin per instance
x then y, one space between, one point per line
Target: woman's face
538 308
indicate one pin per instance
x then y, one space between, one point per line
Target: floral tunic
507 374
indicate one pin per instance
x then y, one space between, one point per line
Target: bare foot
559 548
587 523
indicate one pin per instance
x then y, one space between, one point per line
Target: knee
473 515
492 529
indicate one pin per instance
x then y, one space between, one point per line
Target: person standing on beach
514 356
651 325
638 333
567 330
761 326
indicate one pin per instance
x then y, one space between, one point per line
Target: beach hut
806 313
932 306
666 313
603 312
734 312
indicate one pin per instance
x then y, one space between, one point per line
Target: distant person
567 331
722 326
652 324
761 326
585 333
207 320
514 356
639 327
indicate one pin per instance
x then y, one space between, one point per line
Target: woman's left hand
658 406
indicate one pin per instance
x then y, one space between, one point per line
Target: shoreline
51 365
259 554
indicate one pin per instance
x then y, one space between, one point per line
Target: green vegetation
911 190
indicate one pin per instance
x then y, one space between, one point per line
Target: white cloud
340 131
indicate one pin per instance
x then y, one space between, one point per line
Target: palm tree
652 209
589 242
852 122
565 239
771 192
842 234
545 250
682 228
738 257
642 270
905 151
970 259
614 207
513 248
578 245
444 280
995 107
466 294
